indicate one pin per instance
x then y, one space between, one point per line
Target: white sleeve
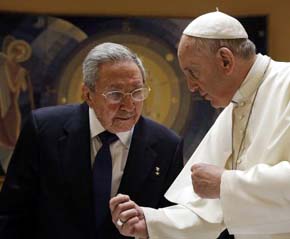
209 151
179 222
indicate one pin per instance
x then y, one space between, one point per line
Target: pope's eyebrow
190 72
187 70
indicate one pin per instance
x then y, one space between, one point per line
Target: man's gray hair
243 48
107 52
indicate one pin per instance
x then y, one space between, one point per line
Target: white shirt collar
97 128
253 79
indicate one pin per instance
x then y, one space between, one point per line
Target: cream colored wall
278 12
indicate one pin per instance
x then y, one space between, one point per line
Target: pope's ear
226 60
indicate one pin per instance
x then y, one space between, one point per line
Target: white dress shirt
119 149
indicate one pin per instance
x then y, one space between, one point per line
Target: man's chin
123 125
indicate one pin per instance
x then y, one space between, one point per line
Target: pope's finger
195 166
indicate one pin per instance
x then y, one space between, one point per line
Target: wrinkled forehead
188 48
185 41
183 46
125 66
119 75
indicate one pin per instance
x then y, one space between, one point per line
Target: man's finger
129 228
115 201
128 214
123 211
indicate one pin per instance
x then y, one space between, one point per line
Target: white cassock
255 199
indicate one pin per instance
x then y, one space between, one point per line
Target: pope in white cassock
239 176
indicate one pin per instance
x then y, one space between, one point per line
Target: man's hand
128 217
206 180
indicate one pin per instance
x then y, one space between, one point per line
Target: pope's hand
206 180
128 217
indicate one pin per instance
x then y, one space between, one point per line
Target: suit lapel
74 155
140 160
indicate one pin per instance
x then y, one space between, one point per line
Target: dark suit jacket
48 188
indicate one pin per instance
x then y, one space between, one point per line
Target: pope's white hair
243 48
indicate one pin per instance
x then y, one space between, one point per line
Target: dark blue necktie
102 179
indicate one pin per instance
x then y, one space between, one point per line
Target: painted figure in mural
14 78
238 177
70 159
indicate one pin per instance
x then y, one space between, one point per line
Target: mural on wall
13 79
40 65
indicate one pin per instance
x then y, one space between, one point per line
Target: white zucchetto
216 25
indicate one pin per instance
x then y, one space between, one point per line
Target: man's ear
226 60
86 95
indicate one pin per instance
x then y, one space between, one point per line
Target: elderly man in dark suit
69 160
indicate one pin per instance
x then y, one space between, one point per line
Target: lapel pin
157 171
